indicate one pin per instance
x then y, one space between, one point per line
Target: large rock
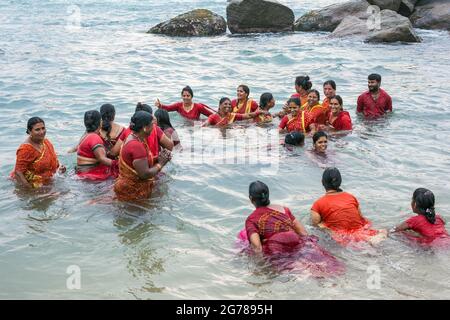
388 27
386 4
255 16
432 14
199 22
407 7
328 18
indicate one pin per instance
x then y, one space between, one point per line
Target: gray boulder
432 14
386 4
388 27
199 22
407 7
328 18
257 16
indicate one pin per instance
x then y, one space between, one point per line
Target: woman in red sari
339 120
156 140
36 161
137 166
339 212
296 120
92 161
225 117
427 227
274 231
187 108
243 104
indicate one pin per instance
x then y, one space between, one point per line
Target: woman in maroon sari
274 231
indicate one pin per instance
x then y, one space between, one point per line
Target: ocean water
59 59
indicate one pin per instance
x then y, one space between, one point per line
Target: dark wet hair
303 81
33 121
331 83
163 118
92 119
265 98
294 138
424 200
339 99
318 135
259 192
295 100
188 89
108 112
374 76
140 120
143 107
223 99
245 88
331 179
316 92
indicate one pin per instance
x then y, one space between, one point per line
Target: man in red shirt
376 101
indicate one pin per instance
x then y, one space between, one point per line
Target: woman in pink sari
273 230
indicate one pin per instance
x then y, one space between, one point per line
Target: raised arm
171 107
205 110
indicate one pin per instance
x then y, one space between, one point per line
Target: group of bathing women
135 155
147 142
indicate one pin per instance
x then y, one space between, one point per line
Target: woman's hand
62 169
164 157
157 103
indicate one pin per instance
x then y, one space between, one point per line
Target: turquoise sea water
181 244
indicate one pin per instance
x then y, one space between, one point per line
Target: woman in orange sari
317 112
296 120
339 212
302 87
329 90
36 161
137 166
224 116
243 104
92 162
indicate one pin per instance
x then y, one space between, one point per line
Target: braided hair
108 113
